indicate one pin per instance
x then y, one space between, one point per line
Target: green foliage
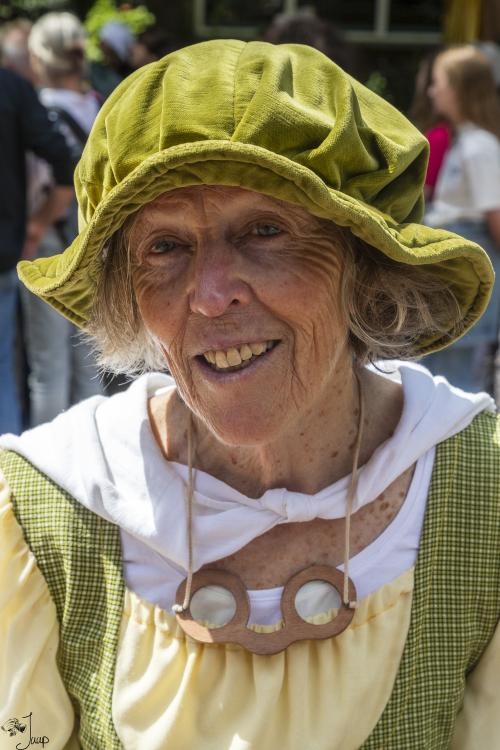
379 85
31 8
102 11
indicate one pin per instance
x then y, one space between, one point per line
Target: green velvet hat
281 120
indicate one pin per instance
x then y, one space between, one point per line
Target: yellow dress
172 692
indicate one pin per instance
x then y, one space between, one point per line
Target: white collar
104 454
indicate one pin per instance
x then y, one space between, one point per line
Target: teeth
234 357
221 359
245 352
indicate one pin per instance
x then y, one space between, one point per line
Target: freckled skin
222 277
199 248
319 541
202 268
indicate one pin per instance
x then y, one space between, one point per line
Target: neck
69 83
302 459
456 118
307 457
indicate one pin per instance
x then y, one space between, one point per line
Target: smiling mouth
236 358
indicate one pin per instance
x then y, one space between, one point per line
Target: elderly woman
198 562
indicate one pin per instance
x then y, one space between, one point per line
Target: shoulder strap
64 116
456 602
79 555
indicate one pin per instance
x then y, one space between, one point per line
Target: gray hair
57 41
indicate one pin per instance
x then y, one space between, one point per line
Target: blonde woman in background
62 371
467 196
431 123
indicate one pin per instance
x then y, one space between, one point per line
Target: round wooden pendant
294 629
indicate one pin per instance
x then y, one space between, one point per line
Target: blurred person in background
432 124
305 27
116 41
62 369
14 53
467 197
24 126
149 46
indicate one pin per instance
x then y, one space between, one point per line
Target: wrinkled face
442 94
242 293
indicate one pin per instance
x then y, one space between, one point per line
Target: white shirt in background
83 107
469 182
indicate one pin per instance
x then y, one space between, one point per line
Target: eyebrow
164 218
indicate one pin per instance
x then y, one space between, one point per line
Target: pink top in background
439 138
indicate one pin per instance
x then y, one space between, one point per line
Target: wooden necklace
294 628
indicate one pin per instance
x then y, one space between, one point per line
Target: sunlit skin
216 267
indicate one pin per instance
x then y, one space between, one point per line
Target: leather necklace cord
189 503
351 494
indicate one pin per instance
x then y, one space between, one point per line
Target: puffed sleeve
32 694
478 723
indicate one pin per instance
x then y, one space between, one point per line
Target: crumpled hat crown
282 120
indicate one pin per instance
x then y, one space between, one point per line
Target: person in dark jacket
24 126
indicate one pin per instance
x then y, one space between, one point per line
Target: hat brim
68 281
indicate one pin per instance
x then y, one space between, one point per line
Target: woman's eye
266 230
164 246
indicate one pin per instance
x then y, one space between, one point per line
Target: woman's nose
216 282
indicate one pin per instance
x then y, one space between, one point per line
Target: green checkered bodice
79 556
456 601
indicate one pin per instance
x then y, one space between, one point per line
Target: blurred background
380 41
